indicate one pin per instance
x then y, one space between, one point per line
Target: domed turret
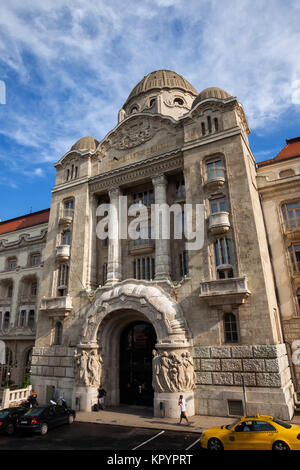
86 143
211 92
160 92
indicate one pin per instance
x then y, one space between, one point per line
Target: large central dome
161 79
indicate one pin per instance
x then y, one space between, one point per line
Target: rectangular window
224 258
218 204
180 189
184 263
69 208
294 251
291 214
33 289
144 268
12 263
214 169
230 328
35 259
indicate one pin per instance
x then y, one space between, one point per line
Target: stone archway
115 308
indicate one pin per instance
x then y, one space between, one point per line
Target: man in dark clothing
101 395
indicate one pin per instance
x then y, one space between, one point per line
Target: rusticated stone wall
260 365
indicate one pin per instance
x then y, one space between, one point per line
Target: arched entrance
137 342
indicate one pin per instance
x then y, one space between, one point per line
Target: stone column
114 263
162 246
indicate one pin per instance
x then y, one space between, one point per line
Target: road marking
143 443
192 445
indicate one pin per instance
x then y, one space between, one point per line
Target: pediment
135 133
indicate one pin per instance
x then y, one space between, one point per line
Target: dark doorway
137 342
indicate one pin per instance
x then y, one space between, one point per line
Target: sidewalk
135 416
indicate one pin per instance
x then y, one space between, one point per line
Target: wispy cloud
70 65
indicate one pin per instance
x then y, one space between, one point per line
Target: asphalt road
91 436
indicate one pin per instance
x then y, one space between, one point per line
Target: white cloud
81 59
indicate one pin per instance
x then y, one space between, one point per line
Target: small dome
161 79
86 143
212 92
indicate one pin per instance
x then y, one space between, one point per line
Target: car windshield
282 423
4 413
34 412
230 426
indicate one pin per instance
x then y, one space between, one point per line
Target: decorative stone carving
173 372
88 368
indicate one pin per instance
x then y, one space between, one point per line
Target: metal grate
235 408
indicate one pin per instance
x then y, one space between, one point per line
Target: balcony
66 217
215 178
221 292
63 252
57 306
141 246
219 222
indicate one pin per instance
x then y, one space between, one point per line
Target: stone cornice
137 171
24 240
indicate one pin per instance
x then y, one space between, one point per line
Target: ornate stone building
152 317
22 243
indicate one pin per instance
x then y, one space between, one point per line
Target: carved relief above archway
151 301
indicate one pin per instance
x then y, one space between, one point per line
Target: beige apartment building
155 317
22 243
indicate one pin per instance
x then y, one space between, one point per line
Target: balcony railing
66 217
215 177
57 305
225 291
291 231
63 252
141 245
219 222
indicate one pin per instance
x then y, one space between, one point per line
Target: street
91 436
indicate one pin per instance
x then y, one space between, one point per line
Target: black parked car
42 418
8 419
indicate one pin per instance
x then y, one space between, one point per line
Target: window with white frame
35 259
12 263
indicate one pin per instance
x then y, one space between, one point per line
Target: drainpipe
288 345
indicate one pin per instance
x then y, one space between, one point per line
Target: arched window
68 208
134 110
58 333
216 124
152 101
209 124
179 101
230 328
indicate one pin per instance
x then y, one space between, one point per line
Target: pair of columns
162 246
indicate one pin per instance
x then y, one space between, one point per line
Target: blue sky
68 66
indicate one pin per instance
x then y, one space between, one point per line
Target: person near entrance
101 395
182 405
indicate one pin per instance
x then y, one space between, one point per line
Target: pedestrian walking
182 405
101 396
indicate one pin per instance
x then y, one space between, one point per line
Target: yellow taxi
257 432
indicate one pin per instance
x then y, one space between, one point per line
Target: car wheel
71 419
280 445
44 429
10 429
215 444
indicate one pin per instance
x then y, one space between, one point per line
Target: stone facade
214 308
